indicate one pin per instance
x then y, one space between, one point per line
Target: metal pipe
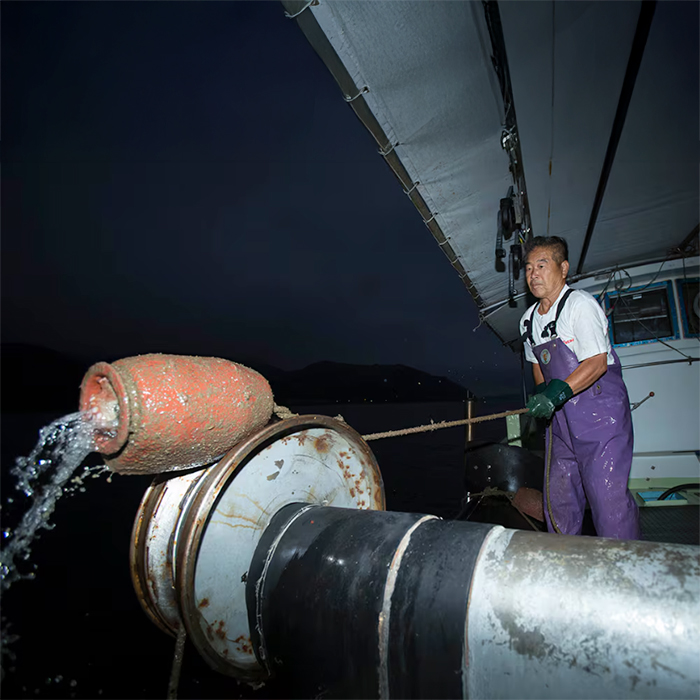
662 362
469 414
380 604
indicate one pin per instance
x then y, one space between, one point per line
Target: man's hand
544 404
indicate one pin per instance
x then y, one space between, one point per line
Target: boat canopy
513 119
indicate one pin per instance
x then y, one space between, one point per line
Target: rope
177 662
443 424
493 491
282 412
548 464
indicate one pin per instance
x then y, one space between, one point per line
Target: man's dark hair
558 246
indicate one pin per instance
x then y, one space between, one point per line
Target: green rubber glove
543 405
540 388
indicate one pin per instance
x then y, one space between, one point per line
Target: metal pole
469 414
379 604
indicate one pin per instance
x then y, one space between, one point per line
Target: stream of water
43 477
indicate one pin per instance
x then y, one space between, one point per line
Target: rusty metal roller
156 413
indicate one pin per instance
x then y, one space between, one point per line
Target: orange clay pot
157 413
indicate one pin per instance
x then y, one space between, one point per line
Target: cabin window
642 315
689 297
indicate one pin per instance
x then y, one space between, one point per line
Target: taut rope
442 424
283 412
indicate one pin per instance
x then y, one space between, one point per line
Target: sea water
42 478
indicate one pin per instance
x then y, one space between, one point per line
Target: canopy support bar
689 239
641 34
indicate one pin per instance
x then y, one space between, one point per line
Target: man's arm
589 371
537 374
557 392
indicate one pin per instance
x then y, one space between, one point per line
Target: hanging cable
653 279
547 466
619 288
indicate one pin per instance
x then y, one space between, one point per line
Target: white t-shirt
582 325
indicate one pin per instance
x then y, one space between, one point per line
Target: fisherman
579 386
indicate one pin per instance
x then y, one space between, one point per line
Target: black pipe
374 604
319 610
641 34
680 487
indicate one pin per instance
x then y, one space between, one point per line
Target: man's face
544 276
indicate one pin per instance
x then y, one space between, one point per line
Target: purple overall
592 440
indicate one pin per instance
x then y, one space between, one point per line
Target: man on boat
579 386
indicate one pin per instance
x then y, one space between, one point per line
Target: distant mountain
334 381
40 379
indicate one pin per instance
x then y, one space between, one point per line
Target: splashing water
42 477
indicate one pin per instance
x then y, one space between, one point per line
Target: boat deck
677 524
674 524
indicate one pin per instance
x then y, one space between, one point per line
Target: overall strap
551 328
527 335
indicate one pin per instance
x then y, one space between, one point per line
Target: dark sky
186 177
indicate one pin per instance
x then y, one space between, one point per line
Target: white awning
421 78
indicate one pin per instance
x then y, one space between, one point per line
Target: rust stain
233 526
352 492
322 444
204 602
252 500
244 644
301 437
220 632
237 516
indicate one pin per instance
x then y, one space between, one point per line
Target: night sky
186 178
